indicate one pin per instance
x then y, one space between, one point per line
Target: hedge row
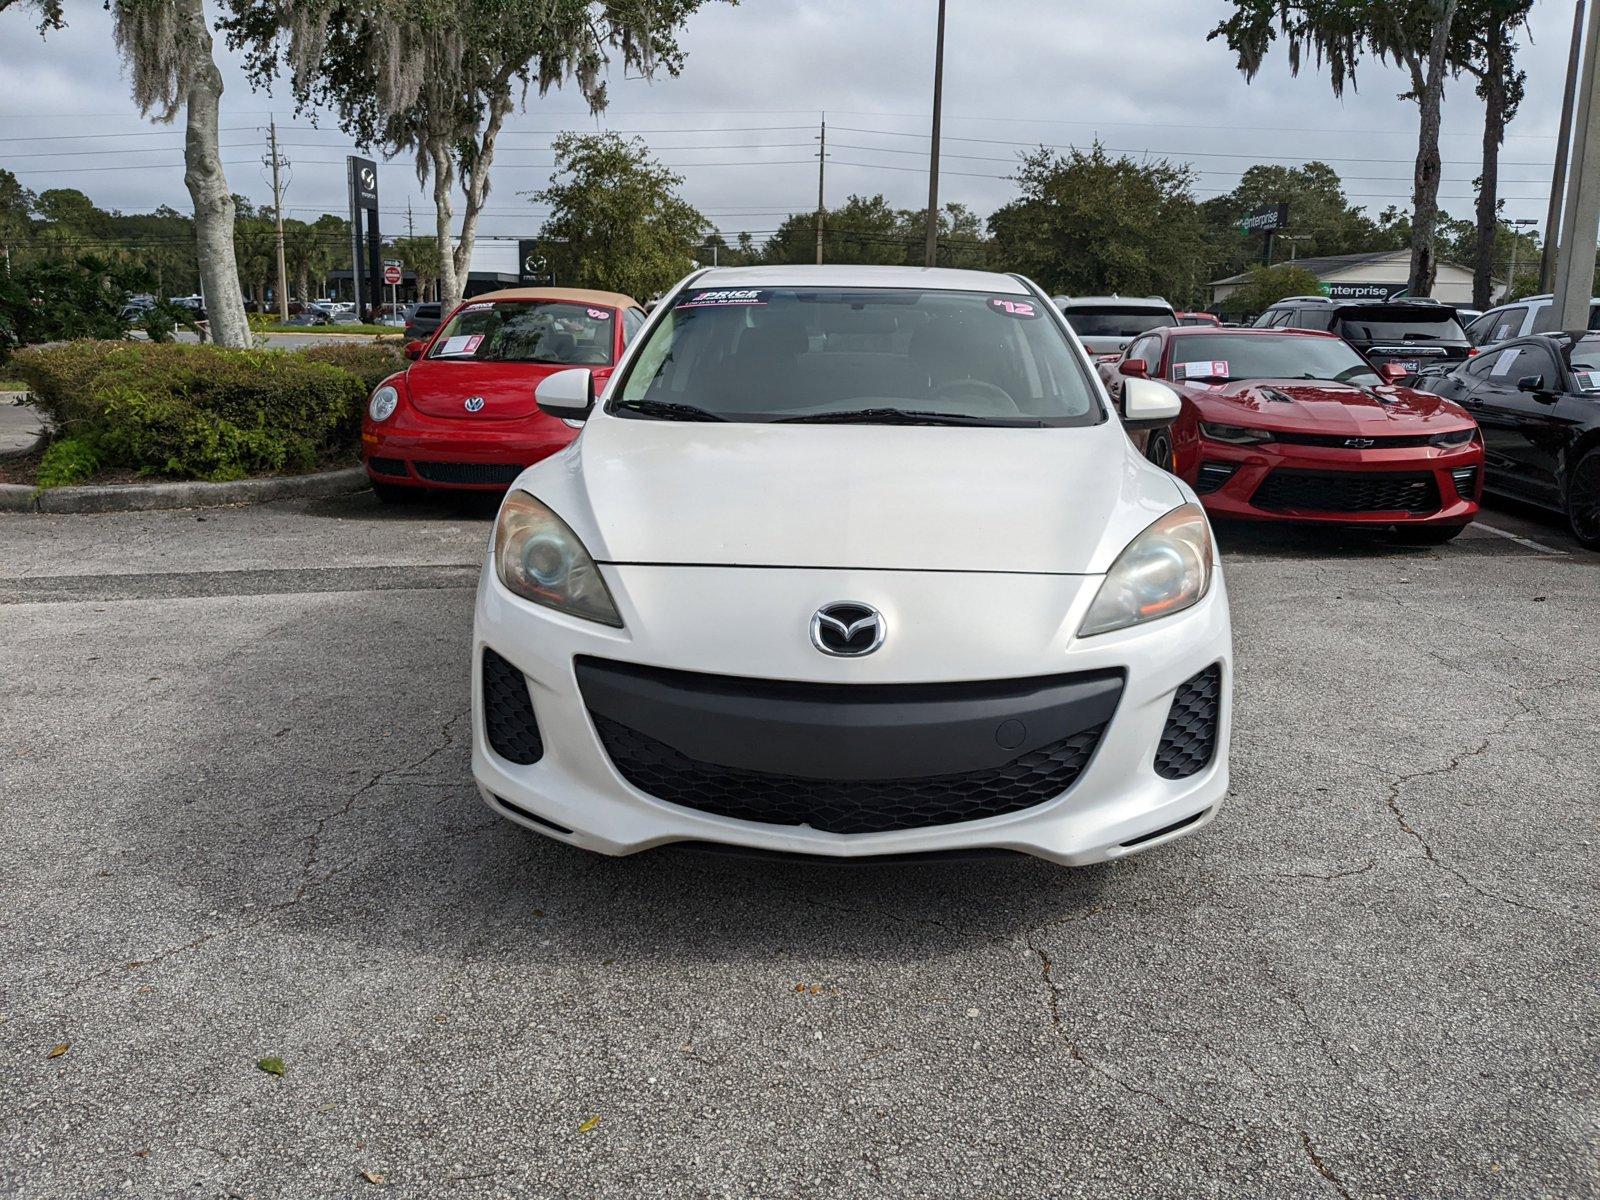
198 412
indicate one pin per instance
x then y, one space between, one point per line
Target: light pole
1516 238
1580 215
931 257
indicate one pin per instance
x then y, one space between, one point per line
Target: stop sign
391 275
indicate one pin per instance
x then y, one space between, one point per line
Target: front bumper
1279 482
412 449
748 627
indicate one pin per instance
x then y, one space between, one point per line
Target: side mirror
1531 383
414 350
568 395
1392 372
1147 404
1134 368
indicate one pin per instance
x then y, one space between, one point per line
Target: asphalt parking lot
239 825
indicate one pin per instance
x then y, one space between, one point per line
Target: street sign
391 275
1266 219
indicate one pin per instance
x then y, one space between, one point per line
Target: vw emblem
847 629
474 403
1360 443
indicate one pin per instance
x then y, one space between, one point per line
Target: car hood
1308 406
440 387
911 498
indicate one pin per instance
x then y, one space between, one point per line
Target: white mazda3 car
853 561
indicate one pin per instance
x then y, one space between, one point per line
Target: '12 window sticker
1025 310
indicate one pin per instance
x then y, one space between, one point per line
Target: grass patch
375 330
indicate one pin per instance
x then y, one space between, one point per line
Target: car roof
578 295
1151 302
1243 331
842 276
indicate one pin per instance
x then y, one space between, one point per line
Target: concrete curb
141 497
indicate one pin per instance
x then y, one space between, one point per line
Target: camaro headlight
540 559
1164 570
1235 435
383 403
1456 437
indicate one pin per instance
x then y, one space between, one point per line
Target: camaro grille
1351 441
447 472
508 712
1347 492
1189 740
846 806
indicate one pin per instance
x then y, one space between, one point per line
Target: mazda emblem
474 403
847 629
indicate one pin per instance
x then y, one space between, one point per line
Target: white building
1380 275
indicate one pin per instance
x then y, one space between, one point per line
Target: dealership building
1380 275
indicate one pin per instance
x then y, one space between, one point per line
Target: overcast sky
739 123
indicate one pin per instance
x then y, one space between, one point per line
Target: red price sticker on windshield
1201 370
1027 310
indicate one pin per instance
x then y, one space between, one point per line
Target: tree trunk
1494 133
476 180
443 180
208 188
1425 190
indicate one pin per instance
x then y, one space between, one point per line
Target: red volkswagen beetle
1295 425
462 415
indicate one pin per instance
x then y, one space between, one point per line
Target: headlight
540 559
1235 435
1456 437
1164 570
383 403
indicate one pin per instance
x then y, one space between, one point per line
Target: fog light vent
1466 482
1213 475
508 712
1189 741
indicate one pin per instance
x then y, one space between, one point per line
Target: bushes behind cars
198 412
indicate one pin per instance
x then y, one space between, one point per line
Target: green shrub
371 362
187 411
68 461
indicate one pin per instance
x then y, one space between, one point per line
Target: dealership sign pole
1266 221
363 176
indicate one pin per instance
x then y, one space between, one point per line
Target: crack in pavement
1322 1167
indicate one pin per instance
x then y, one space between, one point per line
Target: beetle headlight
1164 570
540 559
383 403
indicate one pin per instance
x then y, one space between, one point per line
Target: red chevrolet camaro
1293 425
462 415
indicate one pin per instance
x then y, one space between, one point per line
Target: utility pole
1516 238
822 166
1580 215
931 255
277 217
1558 180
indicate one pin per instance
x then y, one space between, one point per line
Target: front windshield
532 331
1268 356
1115 321
878 356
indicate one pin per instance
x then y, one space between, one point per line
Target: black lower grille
445 472
387 466
1347 491
846 806
1189 740
508 712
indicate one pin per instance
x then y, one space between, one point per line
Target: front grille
1189 740
1347 492
846 805
445 472
1212 475
508 712
1341 441
387 466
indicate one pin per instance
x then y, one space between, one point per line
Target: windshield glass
1114 321
534 331
1442 327
880 355
1268 356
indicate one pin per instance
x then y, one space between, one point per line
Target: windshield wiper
1213 378
901 416
667 410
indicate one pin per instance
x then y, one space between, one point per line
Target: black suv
1419 335
422 321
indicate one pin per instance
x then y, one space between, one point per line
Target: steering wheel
976 388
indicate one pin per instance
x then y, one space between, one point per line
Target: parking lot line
1522 541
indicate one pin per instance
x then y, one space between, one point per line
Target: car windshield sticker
478 307
461 344
1025 309
1587 381
1503 363
724 298
600 314
1200 370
